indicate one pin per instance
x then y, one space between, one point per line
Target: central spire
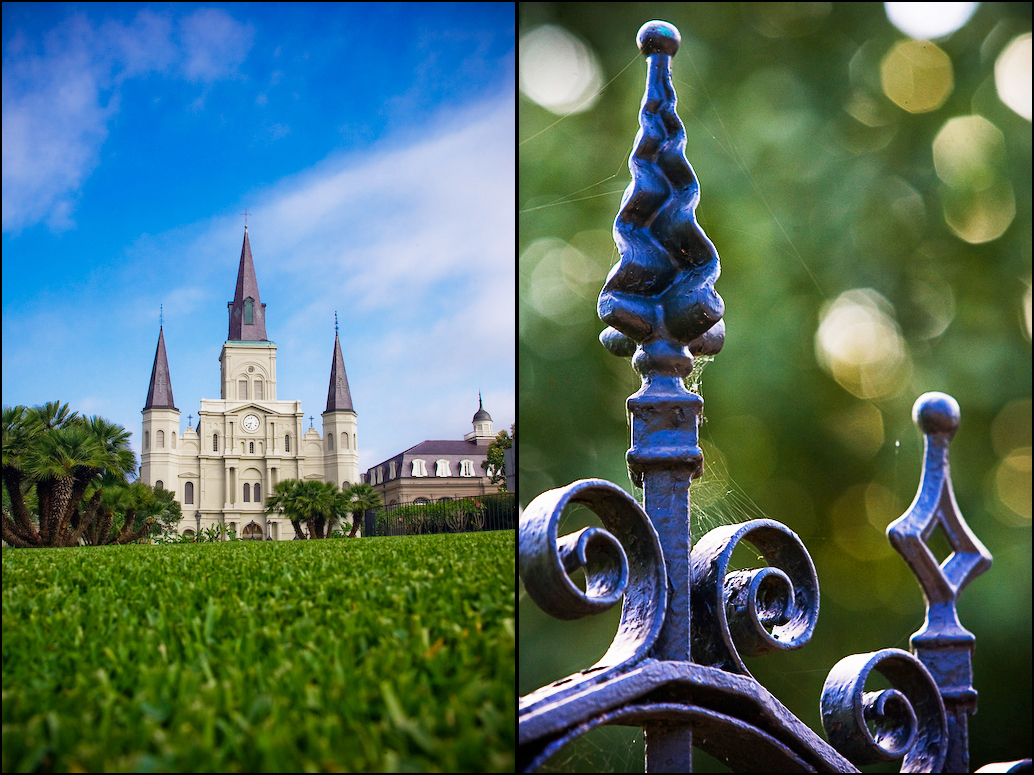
339 398
247 312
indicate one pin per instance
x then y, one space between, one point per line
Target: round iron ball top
658 37
936 414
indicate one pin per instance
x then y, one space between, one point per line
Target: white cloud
57 105
214 44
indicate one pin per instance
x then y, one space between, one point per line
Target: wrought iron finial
246 214
335 322
659 299
942 644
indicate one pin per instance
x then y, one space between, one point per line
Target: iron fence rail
496 511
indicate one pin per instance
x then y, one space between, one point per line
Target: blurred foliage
813 184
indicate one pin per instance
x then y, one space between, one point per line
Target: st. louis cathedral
248 440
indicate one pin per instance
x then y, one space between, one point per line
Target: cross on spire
310 422
246 214
335 322
161 315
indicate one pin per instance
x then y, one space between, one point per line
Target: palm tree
355 500
282 501
60 454
311 501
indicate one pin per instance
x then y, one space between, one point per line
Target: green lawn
380 654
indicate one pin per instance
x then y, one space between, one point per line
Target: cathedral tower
340 436
161 423
248 358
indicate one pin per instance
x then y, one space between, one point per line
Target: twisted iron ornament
688 687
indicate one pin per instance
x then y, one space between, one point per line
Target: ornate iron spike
942 644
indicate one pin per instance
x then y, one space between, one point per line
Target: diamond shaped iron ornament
674 667
942 644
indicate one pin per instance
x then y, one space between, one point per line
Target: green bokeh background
803 202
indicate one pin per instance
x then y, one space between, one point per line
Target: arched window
215 442
355 444
344 441
252 533
466 468
242 389
147 440
159 485
419 469
159 439
258 492
441 468
174 439
421 502
249 311
247 493
287 443
391 470
251 447
188 492
258 390
345 484
330 441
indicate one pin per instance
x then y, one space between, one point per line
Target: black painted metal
674 667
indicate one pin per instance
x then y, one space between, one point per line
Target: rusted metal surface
675 666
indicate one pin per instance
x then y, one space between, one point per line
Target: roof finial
335 322
246 214
161 316
480 405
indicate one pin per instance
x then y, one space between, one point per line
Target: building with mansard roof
436 470
248 439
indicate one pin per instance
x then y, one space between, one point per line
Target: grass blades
388 654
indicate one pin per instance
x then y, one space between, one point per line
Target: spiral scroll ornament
623 558
660 295
751 612
908 719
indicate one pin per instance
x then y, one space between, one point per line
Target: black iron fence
497 511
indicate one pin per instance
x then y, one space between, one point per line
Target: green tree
312 502
355 500
494 463
59 455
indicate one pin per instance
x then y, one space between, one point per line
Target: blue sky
373 145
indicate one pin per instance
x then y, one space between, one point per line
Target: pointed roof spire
159 394
247 312
481 414
339 399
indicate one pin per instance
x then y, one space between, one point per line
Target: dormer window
466 468
419 468
391 470
441 468
249 311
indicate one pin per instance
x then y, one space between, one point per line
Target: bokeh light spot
859 343
1012 75
558 71
929 20
916 76
980 216
1011 428
968 152
1013 482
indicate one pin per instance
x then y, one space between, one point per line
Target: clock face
251 423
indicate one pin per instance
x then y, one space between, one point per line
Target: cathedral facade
247 440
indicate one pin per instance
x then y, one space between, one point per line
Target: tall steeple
247 312
338 396
159 394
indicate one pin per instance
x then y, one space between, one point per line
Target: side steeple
247 312
339 398
159 394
